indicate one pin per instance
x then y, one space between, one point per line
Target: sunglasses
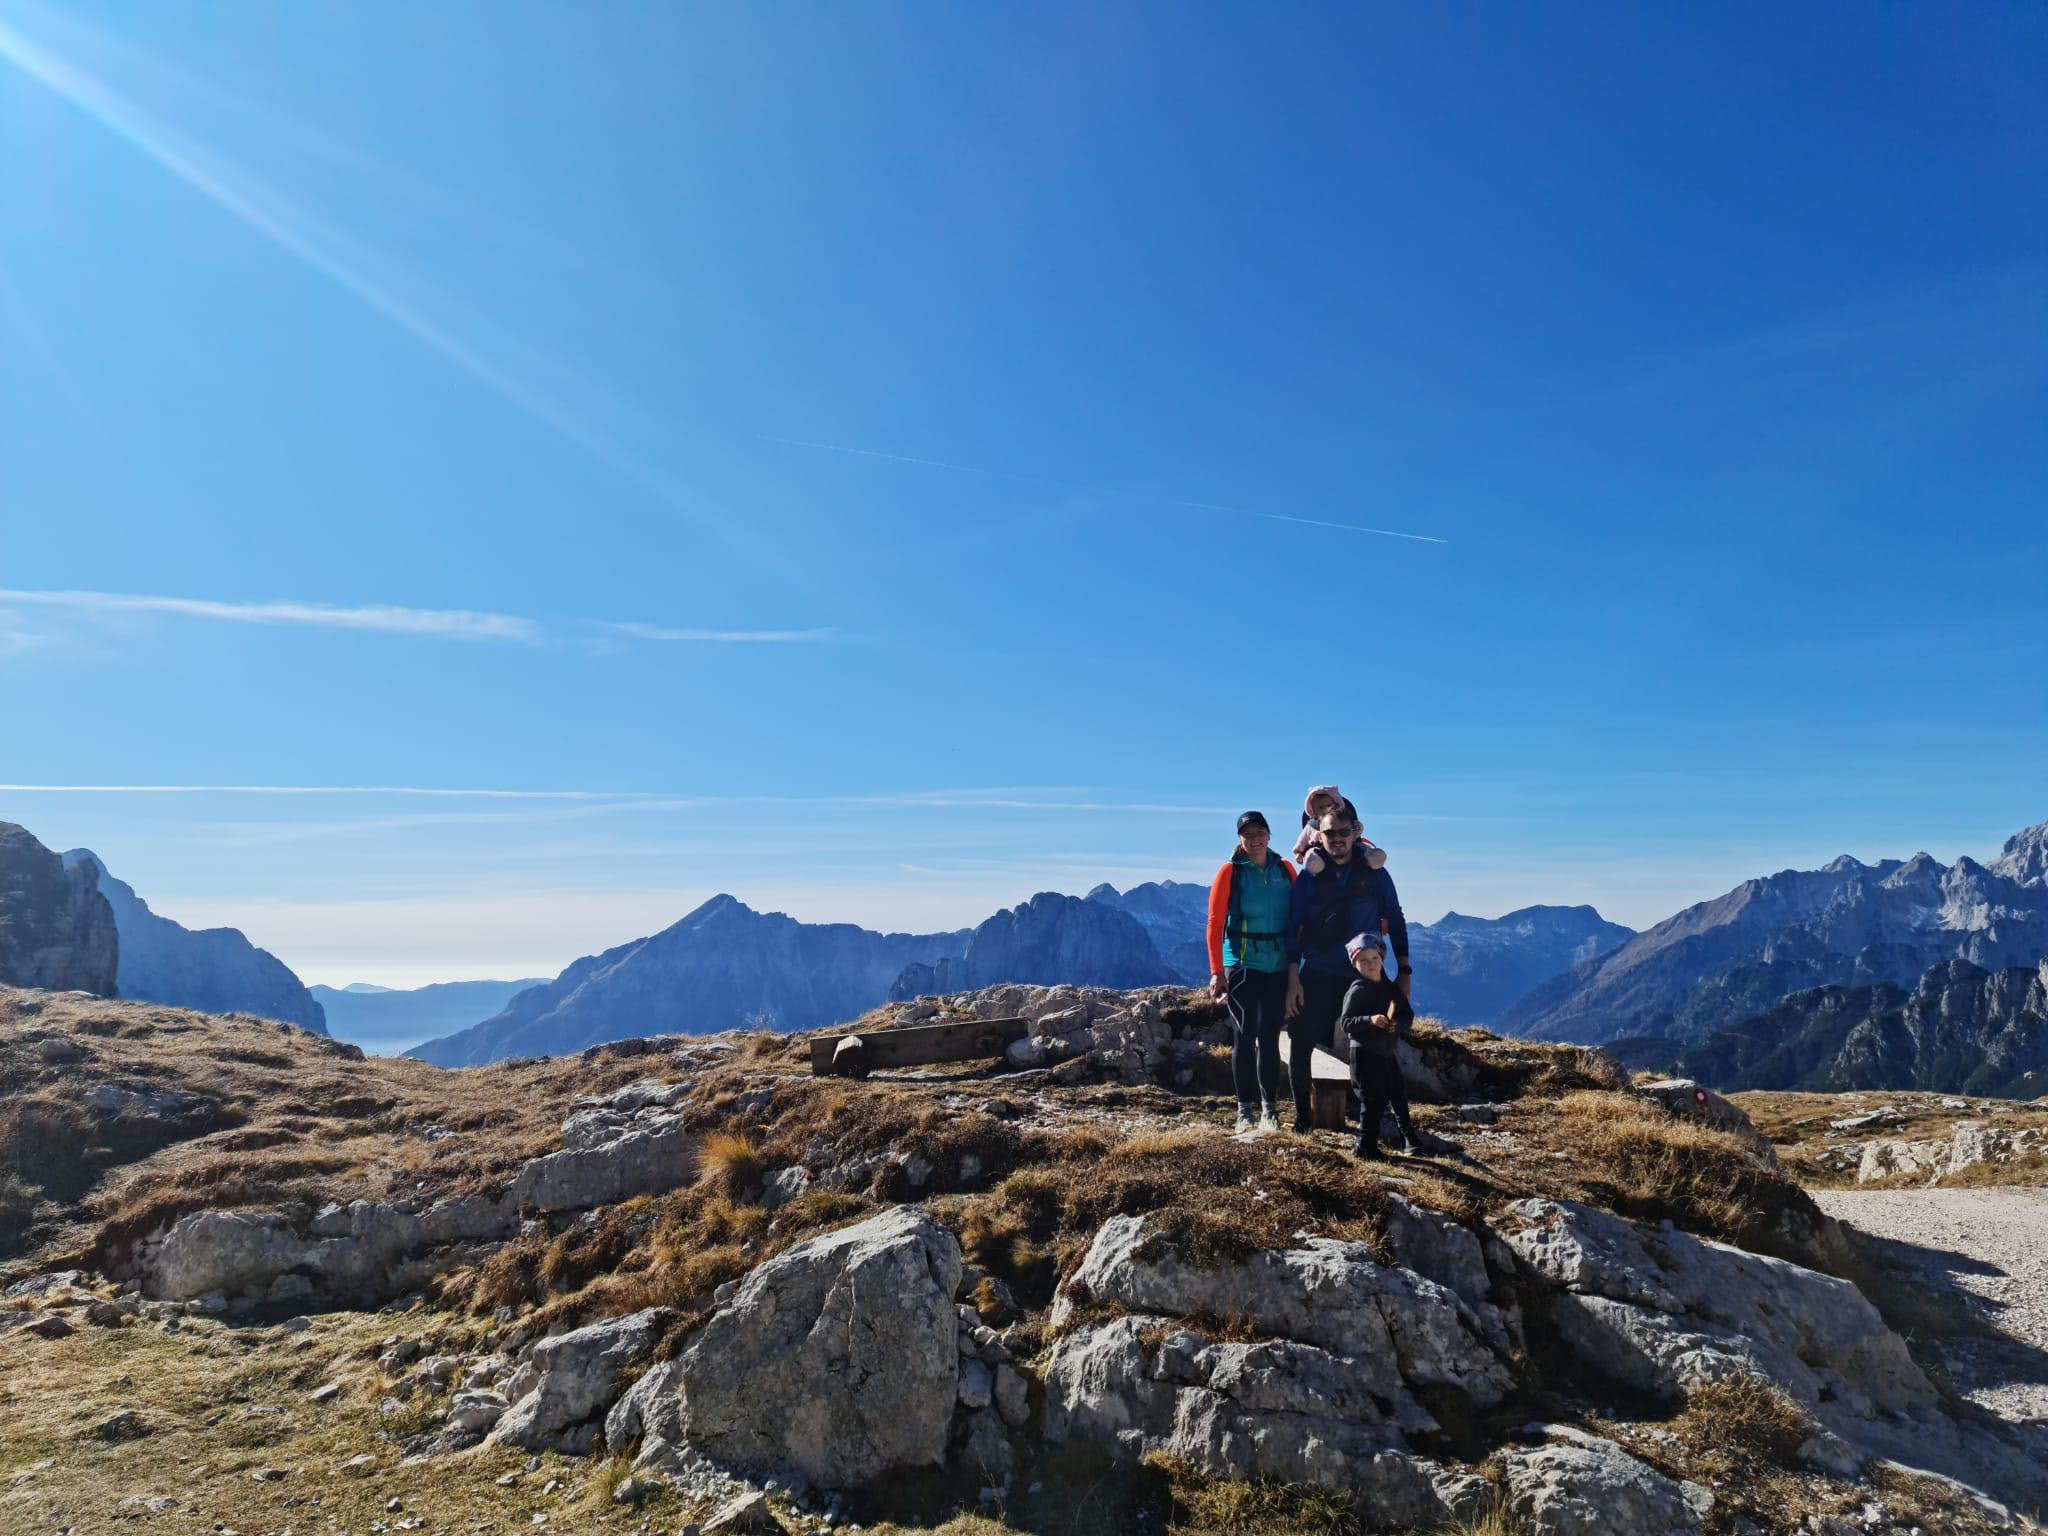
1340 834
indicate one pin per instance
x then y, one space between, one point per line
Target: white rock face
1333 1295
475 1412
570 1378
358 1248
1890 1158
834 1362
1598 1489
650 1156
1664 1311
1329 1399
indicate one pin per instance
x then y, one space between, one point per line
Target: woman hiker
1248 906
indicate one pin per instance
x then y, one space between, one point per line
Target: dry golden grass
1652 1165
730 1163
1741 1420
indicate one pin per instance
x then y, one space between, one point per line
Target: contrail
445 623
1072 485
241 195
727 636
898 458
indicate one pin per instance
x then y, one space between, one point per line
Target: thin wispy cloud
320 789
376 618
441 623
1100 490
660 632
661 801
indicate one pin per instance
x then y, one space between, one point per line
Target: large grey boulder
834 1362
647 1156
569 1379
1893 1158
1330 1396
1595 1488
221 1251
1663 1311
364 1248
1334 1295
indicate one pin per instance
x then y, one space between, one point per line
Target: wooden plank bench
1329 1085
915 1045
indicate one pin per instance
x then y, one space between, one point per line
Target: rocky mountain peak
2025 857
216 970
56 926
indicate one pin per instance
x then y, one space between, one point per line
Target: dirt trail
1988 1249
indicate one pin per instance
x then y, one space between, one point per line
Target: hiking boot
1366 1150
1244 1123
1302 1125
1409 1147
1269 1119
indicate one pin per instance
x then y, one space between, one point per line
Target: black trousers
1322 999
1257 1001
1380 1087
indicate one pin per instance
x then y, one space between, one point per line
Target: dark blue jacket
1364 897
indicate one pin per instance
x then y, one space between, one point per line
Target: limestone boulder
1893 1158
1595 1488
834 1362
570 1379
645 1157
1663 1311
1336 1296
1334 1392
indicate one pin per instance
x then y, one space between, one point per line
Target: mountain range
723 965
1848 925
215 970
1959 1029
1899 973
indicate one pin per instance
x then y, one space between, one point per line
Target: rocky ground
251 1282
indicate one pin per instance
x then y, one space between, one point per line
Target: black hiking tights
1380 1087
1322 999
1258 1007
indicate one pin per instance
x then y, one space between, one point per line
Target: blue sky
880 460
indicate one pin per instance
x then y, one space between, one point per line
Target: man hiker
1375 1014
1345 898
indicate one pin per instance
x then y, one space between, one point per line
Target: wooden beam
1329 1085
921 1044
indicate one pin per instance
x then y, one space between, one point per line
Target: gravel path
1990 1248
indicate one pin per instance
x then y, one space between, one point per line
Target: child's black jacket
1362 1001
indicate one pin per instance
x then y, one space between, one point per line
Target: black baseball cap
1251 819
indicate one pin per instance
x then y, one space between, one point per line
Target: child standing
1375 1013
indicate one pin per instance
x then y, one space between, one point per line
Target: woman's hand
1294 997
1216 986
